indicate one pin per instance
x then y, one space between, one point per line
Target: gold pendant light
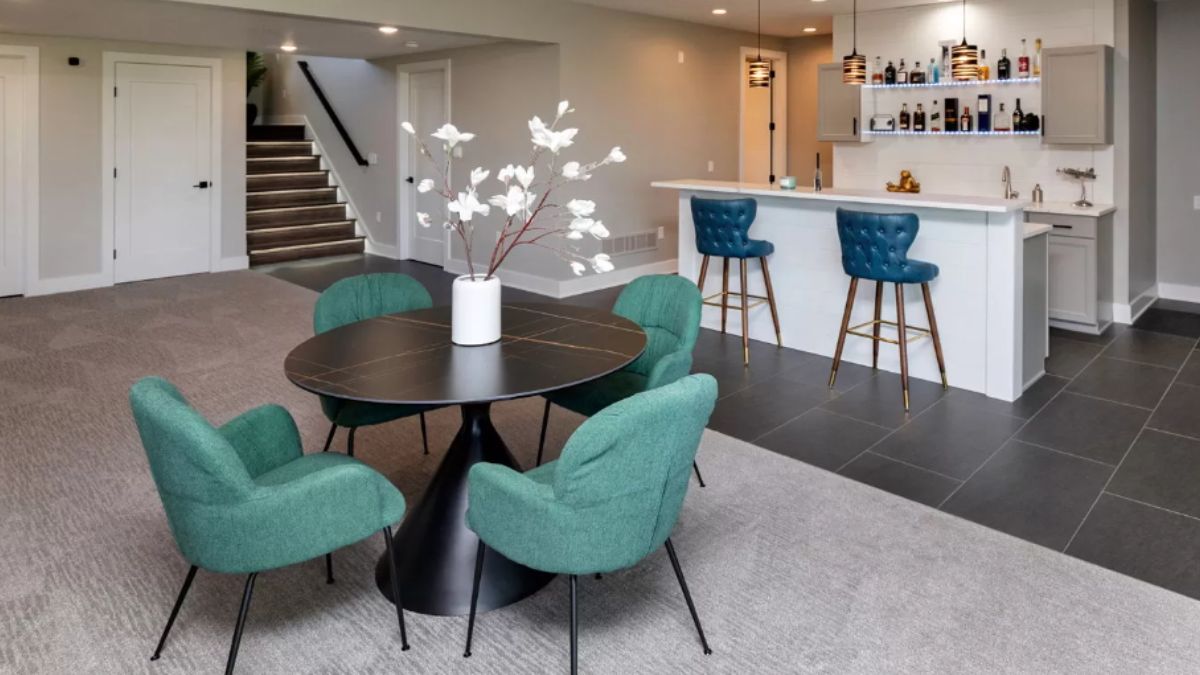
854 66
760 69
964 58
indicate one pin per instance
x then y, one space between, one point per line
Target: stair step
290 235
304 251
259 165
266 199
295 215
287 180
279 148
275 132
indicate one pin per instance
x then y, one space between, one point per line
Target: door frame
405 219
781 105
108 153
30 152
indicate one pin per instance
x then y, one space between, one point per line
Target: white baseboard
1127 314
236 262
383 250
525 282
1182 292
565 288
80 282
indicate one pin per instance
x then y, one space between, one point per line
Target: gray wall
70 156
1178 144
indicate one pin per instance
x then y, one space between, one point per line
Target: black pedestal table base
436 551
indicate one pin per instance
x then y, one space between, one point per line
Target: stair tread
323 188
313 245
307 223
299 207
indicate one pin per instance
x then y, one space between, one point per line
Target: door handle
409 180
203 185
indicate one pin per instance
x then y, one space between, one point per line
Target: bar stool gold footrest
759 300
856 330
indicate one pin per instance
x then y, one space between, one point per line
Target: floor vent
636 242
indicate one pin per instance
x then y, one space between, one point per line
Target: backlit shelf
952 133
952 83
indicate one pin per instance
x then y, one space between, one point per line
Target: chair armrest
670 368
265 438
517 516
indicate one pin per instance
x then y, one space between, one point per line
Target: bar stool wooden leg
703 275
933 332
724 294
771 301
837 354
878 316
903 342
745 318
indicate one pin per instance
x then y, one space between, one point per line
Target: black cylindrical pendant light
964 58
854 66
760 70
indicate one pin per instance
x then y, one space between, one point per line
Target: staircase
292 207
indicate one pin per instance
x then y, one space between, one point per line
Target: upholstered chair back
723 226
367 296
667 307
875 245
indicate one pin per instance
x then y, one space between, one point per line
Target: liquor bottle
919 119
934 75
946 62
818 178
905 121
985 71
877 73
1018 118
889 74
1031 122
983 112
1003 66
934 116
964 122
950 105
1023 61
1002 120
902 74
917 76
1037 57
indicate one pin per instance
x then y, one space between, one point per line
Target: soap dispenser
1038 195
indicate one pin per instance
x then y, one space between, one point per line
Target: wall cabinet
1077 95
839 106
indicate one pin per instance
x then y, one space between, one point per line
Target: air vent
631 243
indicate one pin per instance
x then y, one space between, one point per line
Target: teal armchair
611 499
667 307
357 299
243 498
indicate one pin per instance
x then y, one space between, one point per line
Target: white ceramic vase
475 311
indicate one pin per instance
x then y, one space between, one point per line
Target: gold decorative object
907 183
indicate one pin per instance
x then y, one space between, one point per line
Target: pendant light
760 70
854 66
964 58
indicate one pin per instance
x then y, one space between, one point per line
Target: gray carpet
793 569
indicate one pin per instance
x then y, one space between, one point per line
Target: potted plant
531 217
256 71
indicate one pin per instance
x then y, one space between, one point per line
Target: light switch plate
711 166
1196 202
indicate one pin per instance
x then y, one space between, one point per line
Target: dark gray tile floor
1100 459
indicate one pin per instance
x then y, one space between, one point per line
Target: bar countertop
853 196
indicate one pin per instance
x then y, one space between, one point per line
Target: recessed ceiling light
389 30
720 12
809 29
289 47
411 44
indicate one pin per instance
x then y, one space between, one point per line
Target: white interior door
163 152
427 111
12 188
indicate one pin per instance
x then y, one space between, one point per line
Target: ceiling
208 26
782 18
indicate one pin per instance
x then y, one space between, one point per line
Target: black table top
408 358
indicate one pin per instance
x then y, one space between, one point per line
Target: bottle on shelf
889 74
1023 61
877 73
1003 66
983 112
1037 57
918 122
916 76
934 75
905 121
985 71
935 117
1018 118
1002 120
1031 122
964 121
946 63
950 105
902 73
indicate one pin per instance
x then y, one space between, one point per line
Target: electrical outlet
1196 202
662 232
372 158
711 166
379 216
681 56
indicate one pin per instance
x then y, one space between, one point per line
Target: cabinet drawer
1083 227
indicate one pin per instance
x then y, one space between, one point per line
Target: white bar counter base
976 242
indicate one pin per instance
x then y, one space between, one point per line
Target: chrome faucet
1006 178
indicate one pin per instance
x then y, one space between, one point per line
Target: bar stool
875 247
722 230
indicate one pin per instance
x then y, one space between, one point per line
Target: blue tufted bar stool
875 247
723 230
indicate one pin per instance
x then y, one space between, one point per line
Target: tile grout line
910 419
1107 400
1063 452
910 464
1151 506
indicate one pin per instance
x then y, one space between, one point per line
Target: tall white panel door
12 184
163 152
427 111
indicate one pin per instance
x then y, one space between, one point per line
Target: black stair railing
337 122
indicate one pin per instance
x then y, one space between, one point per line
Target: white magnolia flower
564 107
425 185
407 126
516 201
451 135
524 176
581 208
577 267
545 137
598 230
581 224
574 171
601 263
506 174
615 155
423 219
478 175
574 235
467 205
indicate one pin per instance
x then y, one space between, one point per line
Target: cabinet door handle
1064 227
855 126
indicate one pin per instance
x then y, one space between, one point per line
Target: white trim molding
30 154
404 216
232 263
1182 292
1127 314
565 288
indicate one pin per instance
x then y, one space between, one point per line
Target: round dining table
409 359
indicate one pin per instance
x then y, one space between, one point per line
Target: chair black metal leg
474 597
350 446
329 439
696 468
424 434
241 623
187 583
387 536
329 568
574 627
686 595
542 438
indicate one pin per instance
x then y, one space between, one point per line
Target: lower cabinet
1080 252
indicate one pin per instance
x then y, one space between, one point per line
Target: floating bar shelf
951 83
952 133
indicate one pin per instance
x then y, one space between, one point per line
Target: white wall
71 173
1135 223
